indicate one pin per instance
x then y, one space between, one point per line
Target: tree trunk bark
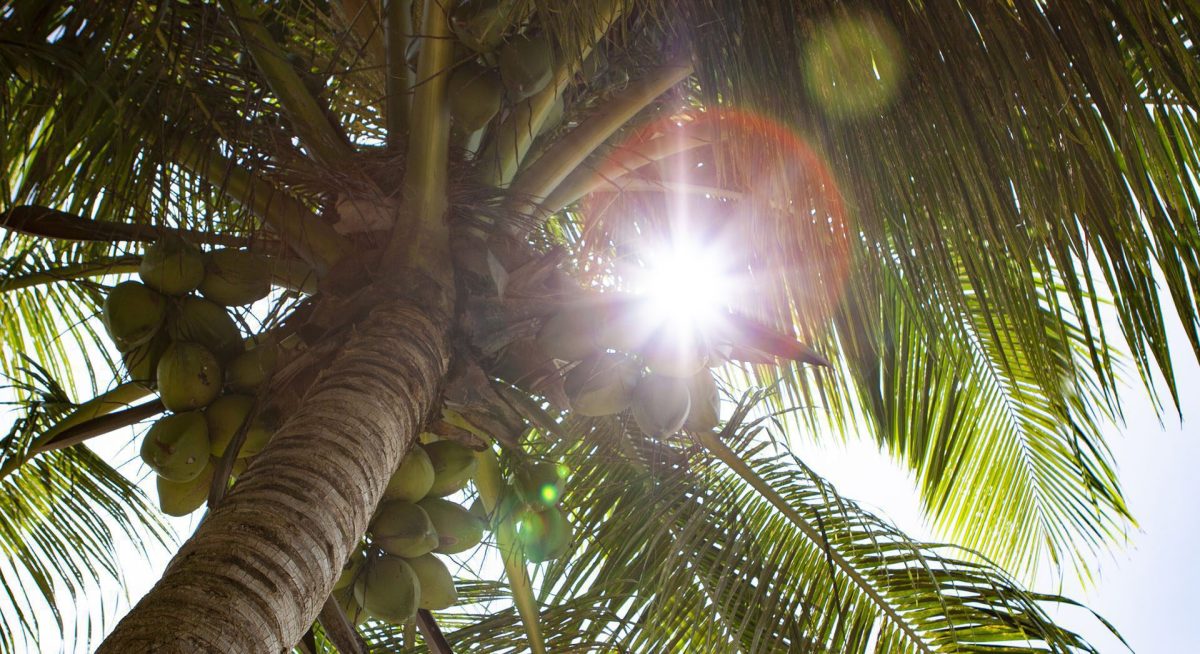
255 574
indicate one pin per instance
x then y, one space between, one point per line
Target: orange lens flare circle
739 184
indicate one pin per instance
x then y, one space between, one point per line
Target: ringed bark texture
255 574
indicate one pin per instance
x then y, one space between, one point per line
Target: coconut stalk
490 483
512 139
318 135
550 169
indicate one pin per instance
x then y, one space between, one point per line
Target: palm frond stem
96 268
396 30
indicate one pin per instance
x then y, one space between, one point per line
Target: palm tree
931 209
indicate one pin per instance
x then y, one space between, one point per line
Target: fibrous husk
412 479
481 24
474 94
705 411
602 384
172 266
661 404
133 314
225 417
388 589
176 447
544 534
350 569
189 376
235 277
179 498
141 363
250 369
199 321
541 483
403 529
437 584
457 530
453 466
526 65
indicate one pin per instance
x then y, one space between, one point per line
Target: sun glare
686 286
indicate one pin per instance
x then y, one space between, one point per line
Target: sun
685 286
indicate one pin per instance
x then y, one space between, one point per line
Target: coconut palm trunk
257 571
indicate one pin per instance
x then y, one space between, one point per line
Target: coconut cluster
664 379
498 63
396 569
176 336
540 525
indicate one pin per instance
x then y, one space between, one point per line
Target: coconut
474 95
544 535
437 585
179 498
457 530
453 465
388 589
661 405
480 24
133 312
189 377
573 334
141 363
705 411
176 447
480 513
403 529
350 569
200 321
250 369
526 65
412 479
541 484
675 355
225 417
236 277
173 266
601 384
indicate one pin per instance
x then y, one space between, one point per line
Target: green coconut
544 535
248 371
480 513
457 530
705 411
437 584
661 404
200 321
173 266
236 277
474 94
133 313
602 384
189 377
541 483
225 417
480 24
141 363
176 447
453 466
179 498
403 529
350 569
413 479
388 589
526 65
573 334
